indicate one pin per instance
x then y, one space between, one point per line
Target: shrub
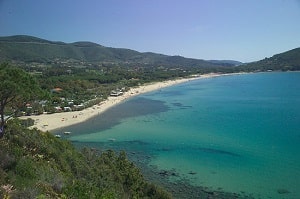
40 166
26 168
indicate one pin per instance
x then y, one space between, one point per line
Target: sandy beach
50 122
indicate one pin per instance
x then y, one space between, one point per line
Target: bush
27 193
26 168
27 123
38 165
7 160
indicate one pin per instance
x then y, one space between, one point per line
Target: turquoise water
238 133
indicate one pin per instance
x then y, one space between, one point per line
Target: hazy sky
244 30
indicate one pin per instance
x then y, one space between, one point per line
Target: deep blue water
240 133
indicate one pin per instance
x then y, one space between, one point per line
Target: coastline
51 122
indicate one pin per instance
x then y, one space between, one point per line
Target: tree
16 88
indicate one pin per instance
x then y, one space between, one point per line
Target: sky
242 30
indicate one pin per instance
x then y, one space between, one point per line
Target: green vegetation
82 74
32 52
16 87
31 49
287 61
35 164
78 75
73 76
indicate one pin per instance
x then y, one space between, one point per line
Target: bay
238 133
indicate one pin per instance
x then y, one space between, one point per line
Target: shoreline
51 122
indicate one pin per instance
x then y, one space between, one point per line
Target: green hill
32 49
22 48
289 60
35 164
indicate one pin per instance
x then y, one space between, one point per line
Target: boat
67 132
57 136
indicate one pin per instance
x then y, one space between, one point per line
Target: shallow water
237 133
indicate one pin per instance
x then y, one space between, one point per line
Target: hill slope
35 164
32 49
28 49
289 60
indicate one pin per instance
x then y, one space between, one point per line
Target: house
116 93
79 107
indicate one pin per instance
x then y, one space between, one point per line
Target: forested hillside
31 49
24 50
35 164
286 61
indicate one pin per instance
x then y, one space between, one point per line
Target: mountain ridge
24 48
29 48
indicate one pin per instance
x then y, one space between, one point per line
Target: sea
233 133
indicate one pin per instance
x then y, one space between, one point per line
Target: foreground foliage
35 164
16 87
